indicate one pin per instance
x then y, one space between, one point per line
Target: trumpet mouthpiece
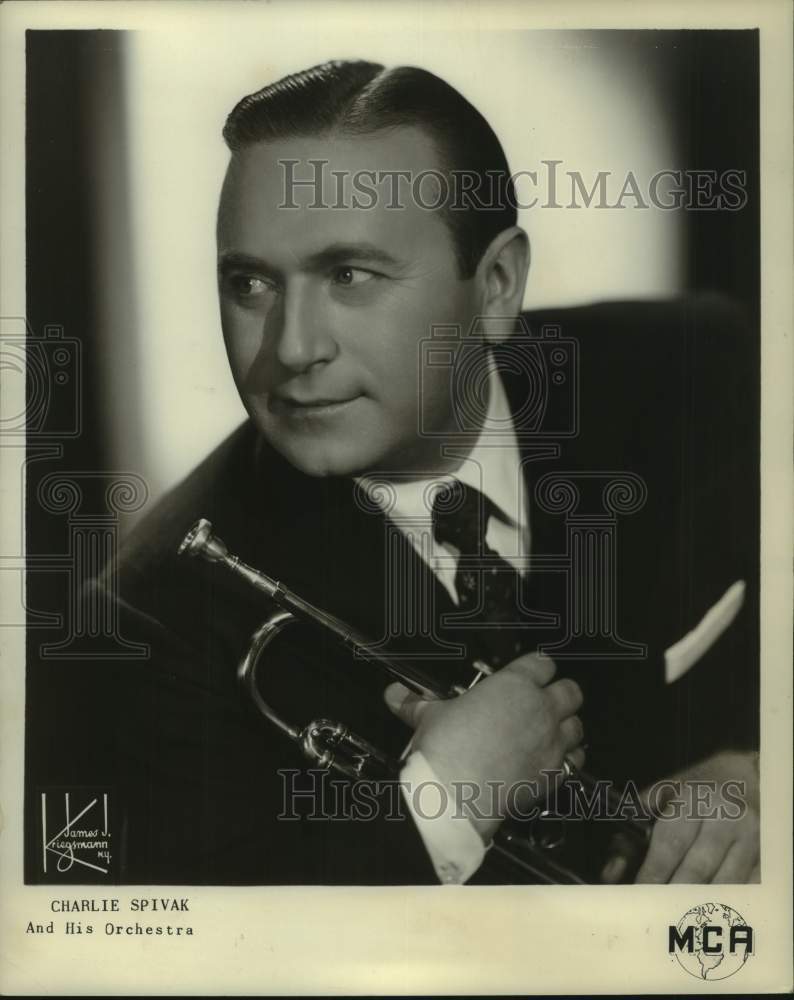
200 541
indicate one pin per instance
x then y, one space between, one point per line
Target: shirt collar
492 466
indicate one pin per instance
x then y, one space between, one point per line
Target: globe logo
711 941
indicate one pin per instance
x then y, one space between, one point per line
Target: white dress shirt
493 467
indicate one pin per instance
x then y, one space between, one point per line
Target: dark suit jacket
663 393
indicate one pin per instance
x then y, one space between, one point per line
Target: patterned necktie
487 586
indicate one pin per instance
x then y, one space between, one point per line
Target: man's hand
688 845
505 730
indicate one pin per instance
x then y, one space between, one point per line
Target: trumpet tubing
330 744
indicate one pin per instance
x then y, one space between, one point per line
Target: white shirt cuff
455 848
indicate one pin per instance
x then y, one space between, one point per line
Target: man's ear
502 276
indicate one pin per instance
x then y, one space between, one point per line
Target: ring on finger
568 768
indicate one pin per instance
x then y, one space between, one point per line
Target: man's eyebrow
232 260
334 253
338 253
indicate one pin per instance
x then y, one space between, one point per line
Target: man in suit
363 474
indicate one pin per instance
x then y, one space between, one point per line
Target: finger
575 756
571 733
614 870
539 667
406 705
670 840
656 798
566 697
737 865
703 859
620 851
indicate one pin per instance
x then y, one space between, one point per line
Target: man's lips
318 405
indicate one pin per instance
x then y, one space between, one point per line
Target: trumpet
536 851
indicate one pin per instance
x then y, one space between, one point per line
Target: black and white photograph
396 441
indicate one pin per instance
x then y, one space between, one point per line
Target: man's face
324 309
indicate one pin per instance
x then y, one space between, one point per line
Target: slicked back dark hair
360 98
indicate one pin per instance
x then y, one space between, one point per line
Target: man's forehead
401 148
315 190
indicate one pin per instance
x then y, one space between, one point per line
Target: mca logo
711 941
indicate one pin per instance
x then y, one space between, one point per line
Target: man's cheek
241 355
435 400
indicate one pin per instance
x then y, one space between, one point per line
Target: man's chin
318 461
324 458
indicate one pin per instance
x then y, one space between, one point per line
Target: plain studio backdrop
135 118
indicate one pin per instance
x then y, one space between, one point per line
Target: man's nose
300 330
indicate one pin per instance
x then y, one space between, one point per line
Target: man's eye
350 276
246 286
